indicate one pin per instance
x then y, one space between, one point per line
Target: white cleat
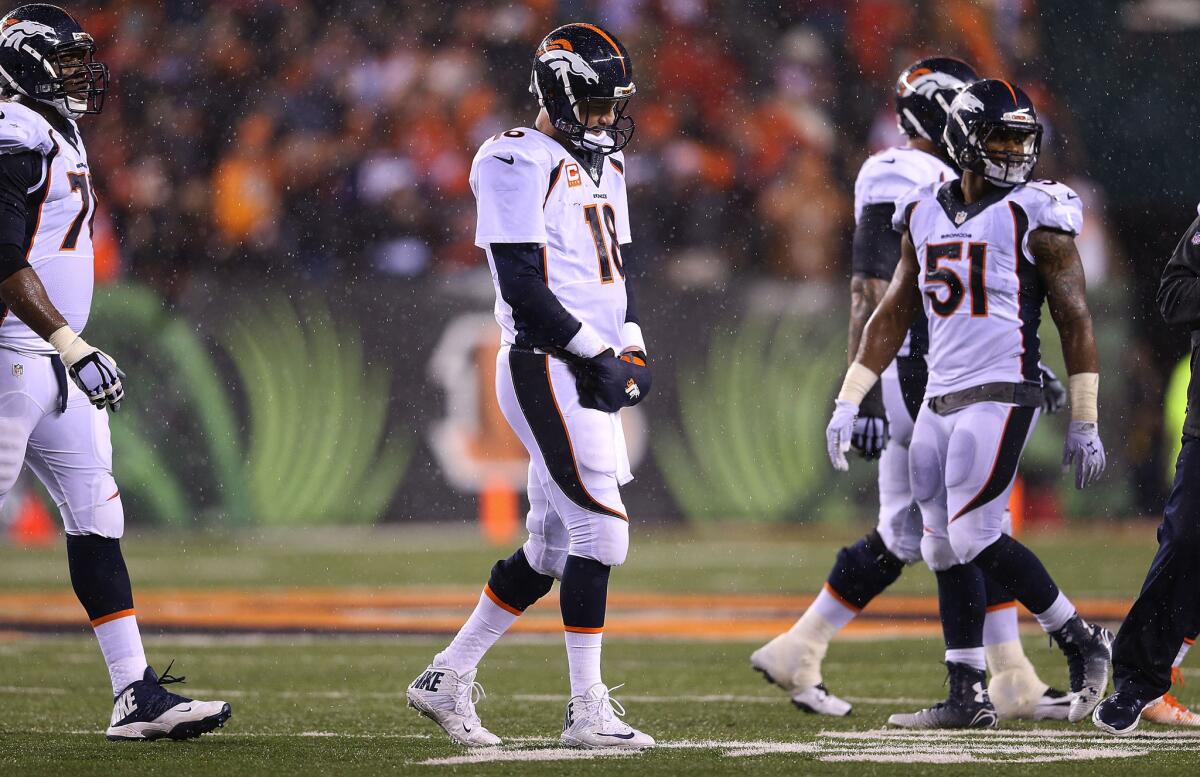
448 699
819 701
593 721
1018 694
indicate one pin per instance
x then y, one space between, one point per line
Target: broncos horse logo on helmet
924 92
578 71
987 110
46 56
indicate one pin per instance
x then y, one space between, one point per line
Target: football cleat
1019 694
1119 714
1053 705
1169 711
448 699
967 706
1088 649
145 710
818 700
593 721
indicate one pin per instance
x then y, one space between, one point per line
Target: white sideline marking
494 755
32 691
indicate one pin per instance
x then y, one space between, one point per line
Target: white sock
1057 614
1009 657
583 660
972 657
1183 651
1000 626
121 644
487 624
832 610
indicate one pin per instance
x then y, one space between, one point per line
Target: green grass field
311 704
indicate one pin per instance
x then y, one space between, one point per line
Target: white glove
1084 449
92 370
839 432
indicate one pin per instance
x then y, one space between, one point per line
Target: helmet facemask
594 137
1009 166
77 83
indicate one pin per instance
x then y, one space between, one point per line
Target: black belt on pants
1020 394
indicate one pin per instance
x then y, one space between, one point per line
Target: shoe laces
606 706
167 679
466 697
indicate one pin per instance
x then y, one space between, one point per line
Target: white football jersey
61 206
890 174
979 284
529 189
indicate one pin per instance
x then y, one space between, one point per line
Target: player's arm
22 291
1061 271
1179 290
881 340
536 311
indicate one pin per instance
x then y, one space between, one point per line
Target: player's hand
1085 452
839 432
97 375
1054 393
870 436
608 382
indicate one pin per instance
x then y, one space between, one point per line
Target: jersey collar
959 212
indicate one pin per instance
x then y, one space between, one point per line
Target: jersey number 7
947 276
81 184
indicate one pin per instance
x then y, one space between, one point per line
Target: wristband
70 346
1084 388
631 337
858 382
586 343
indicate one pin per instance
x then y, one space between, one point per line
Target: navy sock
99 575
1018 569
961 596
583 593
864 570
516 583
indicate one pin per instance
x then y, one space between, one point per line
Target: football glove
870 434
608 382
1084 450
92 370
1054 393
839 432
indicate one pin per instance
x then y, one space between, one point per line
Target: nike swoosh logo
630 735
189 709
466 728
508 161
888 161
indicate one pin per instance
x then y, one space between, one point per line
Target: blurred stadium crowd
299 137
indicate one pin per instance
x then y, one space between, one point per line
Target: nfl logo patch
18 370
1196 239
960 217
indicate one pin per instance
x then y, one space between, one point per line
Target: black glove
608 383
1054 394
870 435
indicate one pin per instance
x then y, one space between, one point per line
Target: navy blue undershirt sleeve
876 247
540 319
18 173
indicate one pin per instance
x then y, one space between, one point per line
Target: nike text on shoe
1119 714
819 701
593 721
145 710
967 706
1088 649
448 699
1169 711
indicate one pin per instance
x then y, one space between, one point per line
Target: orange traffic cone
498 512
33 525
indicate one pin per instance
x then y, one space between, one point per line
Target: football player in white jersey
981 255
59 427
552 217
883 429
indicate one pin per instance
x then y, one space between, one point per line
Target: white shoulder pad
510 177
888 175
906 201
1051 204
23 129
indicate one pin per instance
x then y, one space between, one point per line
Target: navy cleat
1119 714
146 711
1088 649
968 705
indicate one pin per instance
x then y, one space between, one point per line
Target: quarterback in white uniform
884 427
59 427
552 217
981 255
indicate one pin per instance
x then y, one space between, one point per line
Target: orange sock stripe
1189 641
1001 606
840 599
112 616
583 630
487 589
